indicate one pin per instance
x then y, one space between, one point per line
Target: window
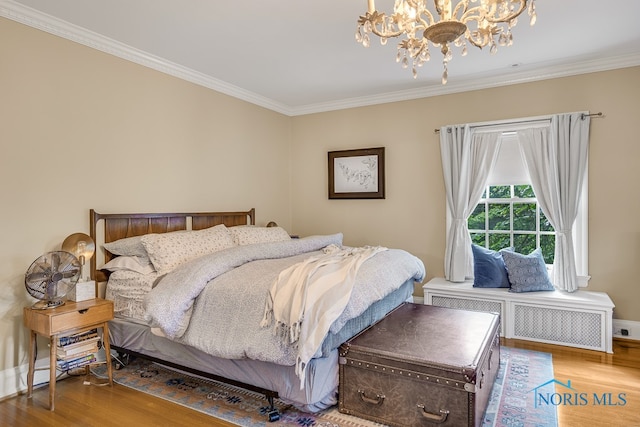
509 215
556 148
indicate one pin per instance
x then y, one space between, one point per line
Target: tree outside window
511 217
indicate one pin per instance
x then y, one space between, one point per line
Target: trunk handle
374 401
434 418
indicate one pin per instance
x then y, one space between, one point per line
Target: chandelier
481 23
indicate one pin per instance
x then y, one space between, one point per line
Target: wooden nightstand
68 319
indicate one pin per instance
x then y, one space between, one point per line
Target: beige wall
81 129
412 216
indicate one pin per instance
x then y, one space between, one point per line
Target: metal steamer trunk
421 365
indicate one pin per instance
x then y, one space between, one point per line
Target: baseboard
632 327
13 381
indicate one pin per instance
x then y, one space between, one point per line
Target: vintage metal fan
51 276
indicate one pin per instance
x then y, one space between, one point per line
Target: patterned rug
522 374
511 403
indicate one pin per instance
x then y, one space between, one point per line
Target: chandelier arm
421 24
489 18
473 14
412 3
479 44
387 34
429 21
464 5
480 37
437 7
378 33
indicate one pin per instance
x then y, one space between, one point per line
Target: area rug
511 403
522 375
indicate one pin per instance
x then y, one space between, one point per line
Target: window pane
523 191
524 243
548 245
476 219
524 216
478 239
545 225
500 192
499 241
499 216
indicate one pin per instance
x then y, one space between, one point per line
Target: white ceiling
300 56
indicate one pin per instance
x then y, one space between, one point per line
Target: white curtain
556 158
467 159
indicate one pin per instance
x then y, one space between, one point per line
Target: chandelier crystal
478 22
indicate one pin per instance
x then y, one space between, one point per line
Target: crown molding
482 82
36 19
41 21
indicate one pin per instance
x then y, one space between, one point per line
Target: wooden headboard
120 225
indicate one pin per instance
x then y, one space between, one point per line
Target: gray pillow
527 273
129 246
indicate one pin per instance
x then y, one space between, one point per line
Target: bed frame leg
272 411
122 360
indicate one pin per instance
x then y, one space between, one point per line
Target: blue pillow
488 268
527 273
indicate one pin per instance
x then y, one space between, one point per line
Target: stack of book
77 350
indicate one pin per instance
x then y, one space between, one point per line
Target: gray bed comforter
216 303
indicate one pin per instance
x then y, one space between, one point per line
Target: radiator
565 326
473 305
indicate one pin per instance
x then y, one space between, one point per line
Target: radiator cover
581 319
558 325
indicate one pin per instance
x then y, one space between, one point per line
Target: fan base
43 305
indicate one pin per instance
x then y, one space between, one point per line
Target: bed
202 292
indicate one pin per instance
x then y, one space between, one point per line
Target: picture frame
357 174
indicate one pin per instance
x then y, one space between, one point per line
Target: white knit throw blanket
309 296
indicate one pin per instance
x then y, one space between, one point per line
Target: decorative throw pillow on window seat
489 270
527 273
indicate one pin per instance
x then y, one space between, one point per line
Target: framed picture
356 174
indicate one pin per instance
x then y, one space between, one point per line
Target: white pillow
130 263
250 234
170 250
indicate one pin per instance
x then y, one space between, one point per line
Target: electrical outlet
626 329
622 332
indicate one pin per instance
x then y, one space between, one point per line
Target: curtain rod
583 116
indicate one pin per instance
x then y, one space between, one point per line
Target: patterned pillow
170 250
489 270
250 234
527 273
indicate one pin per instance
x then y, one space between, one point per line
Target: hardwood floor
611 375
616 376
